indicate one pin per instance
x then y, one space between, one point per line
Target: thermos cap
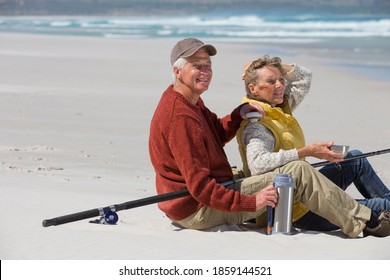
284 180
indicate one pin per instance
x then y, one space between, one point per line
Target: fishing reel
108 218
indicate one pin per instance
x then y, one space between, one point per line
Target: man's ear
176 72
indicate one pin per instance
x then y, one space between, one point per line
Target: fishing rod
370 154
108 214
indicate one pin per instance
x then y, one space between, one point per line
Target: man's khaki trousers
312 189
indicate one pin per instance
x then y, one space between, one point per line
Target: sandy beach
74 126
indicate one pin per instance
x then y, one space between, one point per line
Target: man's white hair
179 64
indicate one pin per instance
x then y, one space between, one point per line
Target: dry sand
74 125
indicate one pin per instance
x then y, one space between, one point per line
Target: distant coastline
190 7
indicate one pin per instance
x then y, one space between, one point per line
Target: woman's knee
354 153
359 163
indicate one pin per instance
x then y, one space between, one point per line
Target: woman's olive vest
288 135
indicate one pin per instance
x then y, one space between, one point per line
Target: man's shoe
383 227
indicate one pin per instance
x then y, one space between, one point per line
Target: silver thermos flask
285 186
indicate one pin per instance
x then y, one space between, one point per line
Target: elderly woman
277 138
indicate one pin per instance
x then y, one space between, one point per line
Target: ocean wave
249 26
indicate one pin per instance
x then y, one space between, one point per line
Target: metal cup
285 185
343 149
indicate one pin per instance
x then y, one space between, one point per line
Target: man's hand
251 107
266 197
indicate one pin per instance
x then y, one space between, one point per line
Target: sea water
358 41
243 27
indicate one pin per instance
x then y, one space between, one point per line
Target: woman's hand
266 197
246 65
287 68
320 150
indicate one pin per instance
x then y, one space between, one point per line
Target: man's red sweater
186 149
